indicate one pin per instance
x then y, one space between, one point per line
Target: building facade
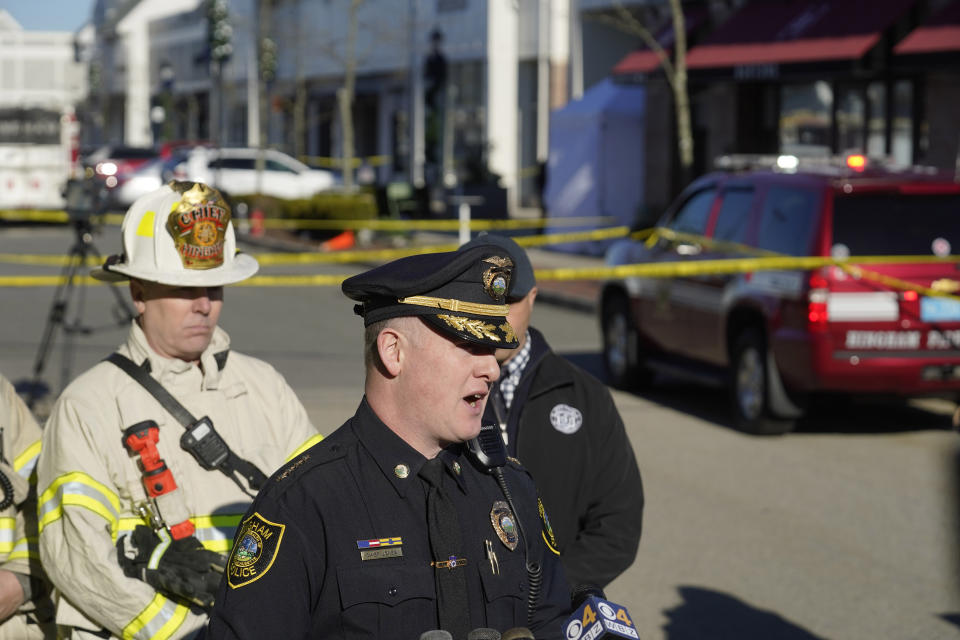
451 92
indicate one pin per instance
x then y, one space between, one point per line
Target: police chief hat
523 279
460 293
179 235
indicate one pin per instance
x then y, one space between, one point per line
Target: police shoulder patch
547 531
257 544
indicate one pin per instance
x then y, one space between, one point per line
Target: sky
49 15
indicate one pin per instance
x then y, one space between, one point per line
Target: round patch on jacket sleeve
566 419
257 544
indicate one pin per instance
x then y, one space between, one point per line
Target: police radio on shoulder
488 448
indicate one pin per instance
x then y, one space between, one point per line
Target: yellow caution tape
44 281
646 270
336 224
377 255
428 225
895 283
47 260
766 261
333 162
339 257
294 281
31 215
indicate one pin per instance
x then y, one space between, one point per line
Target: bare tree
346 92
674 70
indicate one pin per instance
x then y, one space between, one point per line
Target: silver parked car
233 171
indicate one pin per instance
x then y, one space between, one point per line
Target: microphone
436 634
483 633
517 633
596 618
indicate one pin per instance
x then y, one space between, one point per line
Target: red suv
777 336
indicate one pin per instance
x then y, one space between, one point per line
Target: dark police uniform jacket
298 569
566 430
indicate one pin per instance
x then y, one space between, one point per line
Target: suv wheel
620 355
748 387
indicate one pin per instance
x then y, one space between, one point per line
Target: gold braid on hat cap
450 304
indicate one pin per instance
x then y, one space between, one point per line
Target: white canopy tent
596 162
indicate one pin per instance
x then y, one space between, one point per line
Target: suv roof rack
787 163
833 165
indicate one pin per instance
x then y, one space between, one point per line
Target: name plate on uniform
383 552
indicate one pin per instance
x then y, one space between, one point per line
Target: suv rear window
896 224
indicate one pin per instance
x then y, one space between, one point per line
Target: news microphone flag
596 619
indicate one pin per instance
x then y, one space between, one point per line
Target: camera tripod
82 250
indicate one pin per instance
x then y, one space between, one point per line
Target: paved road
847 529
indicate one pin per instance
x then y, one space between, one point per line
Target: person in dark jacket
563 426
404 520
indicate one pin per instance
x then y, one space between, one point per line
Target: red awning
940 33
797 31
638 62
811 50
645 60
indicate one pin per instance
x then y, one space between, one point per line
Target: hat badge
496 279
198 225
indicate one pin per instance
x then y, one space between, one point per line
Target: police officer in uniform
140 494
26 611
561 422
400 522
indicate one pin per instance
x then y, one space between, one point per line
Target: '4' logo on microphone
597 618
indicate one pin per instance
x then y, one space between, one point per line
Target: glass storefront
805 116
875 118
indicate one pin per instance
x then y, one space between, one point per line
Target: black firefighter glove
179 568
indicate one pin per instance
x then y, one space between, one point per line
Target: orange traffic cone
256 223
339 242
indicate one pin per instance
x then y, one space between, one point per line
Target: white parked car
233 170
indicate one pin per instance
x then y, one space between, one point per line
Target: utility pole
345 94
416 103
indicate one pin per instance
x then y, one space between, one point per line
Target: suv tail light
817 313
910 304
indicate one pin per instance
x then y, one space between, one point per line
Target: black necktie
500 410
444 529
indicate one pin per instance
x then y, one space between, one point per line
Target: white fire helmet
179 235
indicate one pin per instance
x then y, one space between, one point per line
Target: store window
877 120
851 114
901 131
805 118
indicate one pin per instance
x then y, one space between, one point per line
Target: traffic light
219 31
268 59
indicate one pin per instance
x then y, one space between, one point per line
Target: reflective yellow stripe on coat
25 463
306 445
158 621
77 489
8 531
215 532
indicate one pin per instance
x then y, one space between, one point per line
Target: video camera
85 199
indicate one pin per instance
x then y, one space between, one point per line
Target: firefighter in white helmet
26 610
151 457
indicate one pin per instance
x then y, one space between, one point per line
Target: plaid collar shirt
511 372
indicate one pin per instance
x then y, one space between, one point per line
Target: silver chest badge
566 419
